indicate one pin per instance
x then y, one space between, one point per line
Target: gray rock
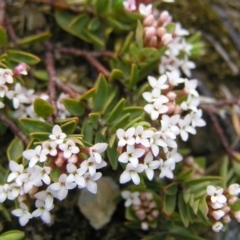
98 208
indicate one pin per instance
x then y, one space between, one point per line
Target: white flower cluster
177 110
78 166
219 205
23 98
143 205
145 151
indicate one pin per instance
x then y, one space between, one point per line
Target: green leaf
70 126
203 179
94 24
170 27
32 125
203 207
183 233
115 74
139 34
93 38
39 37
5 212
80 21
133 76
101 95
42 108
87 131
15 149
224 171
55 173
90 93
20 56
12 235
3 37
118 25
41 75
3 175
94 118
135 111
40 136
113 155
133 123
121 123
182 208
127 42
171 189
186 195
75 107
169 203
116 112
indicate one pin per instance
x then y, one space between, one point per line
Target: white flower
132 155
150 165
43 174
197 121
130 5
62 187
69 148
179 31
42 211
96 149
13 191
126 138
156 108
131 172
217 226
46 197
190 104
57 134
142 136
185 127
75 175
216 194
145 9
34 156
16 171
174 78
186 65
190 87
159 83
49 148
2 105
169 125
17 96
90 182
23 214
3 192
234 189
131 198
88 165
3 90
154 96
6 76
166 168
155 142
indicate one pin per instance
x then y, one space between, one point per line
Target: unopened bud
171 96
150 32
226 219
232 200
155 213
20 69
152 205
150 218
164 17
153 42
161 31
149 20
234 189
140 214
218 214
144 226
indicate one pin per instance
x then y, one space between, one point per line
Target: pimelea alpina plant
129 122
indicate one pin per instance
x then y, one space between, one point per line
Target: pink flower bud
232 200
218 214
141 214
152 205
226 219
149 20
155 213
171 96
164 17
20 69
161 31
150 32
153 42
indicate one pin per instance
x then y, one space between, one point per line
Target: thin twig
222 103
100 68
10 29
14 128
50 66
218 129
85 53
2 12
66 89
